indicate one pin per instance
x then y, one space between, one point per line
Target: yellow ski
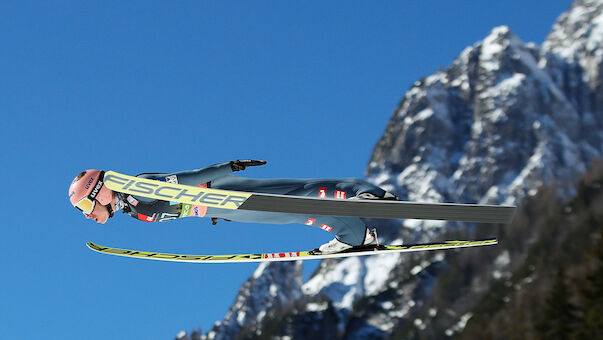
287 256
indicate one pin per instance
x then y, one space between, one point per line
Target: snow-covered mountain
270 288
505 119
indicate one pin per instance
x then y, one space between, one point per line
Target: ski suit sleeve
203 175
194 177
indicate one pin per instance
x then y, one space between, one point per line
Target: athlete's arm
203 175
207 174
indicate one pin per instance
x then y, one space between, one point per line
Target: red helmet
87 188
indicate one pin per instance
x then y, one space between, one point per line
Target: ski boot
335 246
387 196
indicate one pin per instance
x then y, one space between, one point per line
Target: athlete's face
100 214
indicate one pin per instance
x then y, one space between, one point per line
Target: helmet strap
98 186
110 209
101 179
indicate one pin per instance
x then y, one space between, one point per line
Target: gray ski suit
350 230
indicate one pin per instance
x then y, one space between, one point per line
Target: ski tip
93 246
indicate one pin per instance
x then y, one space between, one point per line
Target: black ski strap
110 209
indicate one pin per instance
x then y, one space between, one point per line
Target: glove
214 220
239 165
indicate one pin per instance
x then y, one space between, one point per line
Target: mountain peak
501 51
578 32
500 32
501 37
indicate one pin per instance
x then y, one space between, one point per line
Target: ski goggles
87 203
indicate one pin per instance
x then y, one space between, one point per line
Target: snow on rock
378 268
500 264
573 56
460 325
272 285
316 307
342 283
578 35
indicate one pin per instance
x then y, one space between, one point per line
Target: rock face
504 120
270 288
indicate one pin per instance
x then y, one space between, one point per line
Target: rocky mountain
269 288
505 121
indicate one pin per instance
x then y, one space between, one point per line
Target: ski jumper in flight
88 193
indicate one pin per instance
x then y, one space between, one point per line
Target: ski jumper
350 230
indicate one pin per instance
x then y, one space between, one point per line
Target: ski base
288 256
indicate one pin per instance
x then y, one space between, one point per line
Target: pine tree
590 325
559 318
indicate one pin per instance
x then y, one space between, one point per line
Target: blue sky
165 86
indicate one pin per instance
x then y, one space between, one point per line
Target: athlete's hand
239 165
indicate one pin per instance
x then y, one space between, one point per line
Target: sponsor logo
96 189
89 182
171 179
340 194
281 255
186 210
196 211
322 192
132 200
169 193
326 227
310 221
145 218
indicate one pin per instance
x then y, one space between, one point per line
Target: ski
227 199
287 256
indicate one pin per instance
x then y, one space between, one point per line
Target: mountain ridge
505 120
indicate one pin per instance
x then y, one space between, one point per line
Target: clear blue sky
139 86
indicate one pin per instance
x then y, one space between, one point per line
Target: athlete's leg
349 230
327 188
